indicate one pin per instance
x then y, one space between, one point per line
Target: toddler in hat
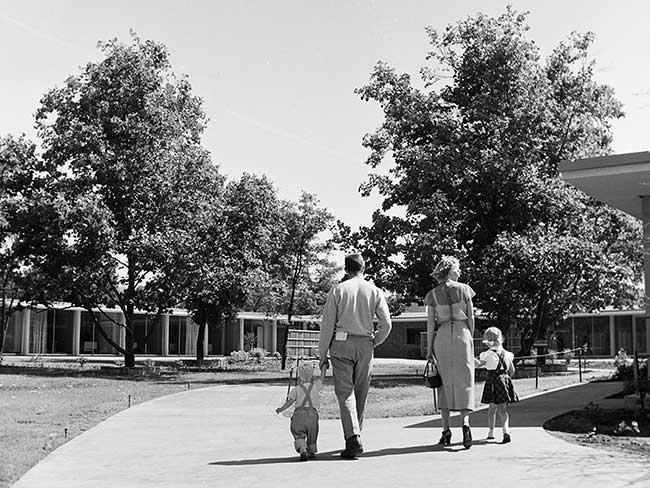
304 421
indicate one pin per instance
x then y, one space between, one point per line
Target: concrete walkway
230 436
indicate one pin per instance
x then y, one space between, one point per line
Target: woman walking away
498 390
450 319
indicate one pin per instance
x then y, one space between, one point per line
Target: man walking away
347 331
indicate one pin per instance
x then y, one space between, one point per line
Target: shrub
621 359
567 355
150 367
238 356
258 353
250 341
625 367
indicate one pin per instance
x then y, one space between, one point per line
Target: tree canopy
17 185
126 177
472 170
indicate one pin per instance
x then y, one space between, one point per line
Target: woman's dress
453 345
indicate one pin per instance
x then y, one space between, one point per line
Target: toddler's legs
312 433
502 409
492 419
299 431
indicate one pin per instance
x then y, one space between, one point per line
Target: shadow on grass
203 377
166 377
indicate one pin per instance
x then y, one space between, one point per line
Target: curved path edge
230 436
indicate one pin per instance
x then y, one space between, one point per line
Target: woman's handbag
432 378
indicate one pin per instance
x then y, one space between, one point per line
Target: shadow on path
322 456
334 455
533 412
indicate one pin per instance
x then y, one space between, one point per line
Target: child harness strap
501 367
307 399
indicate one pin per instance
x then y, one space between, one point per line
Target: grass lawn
39 404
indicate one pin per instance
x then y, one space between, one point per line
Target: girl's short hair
492 336
444 266
305 371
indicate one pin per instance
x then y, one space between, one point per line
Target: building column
645 211
259 333
612 336
274 335
205 341
165 334
122 338
304 326
635 346
76 331
223 339
24 342
241 335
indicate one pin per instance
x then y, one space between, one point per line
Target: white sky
277 77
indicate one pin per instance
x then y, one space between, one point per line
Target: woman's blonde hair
444 266
492 337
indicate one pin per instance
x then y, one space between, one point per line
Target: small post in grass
536 371
580 364
65 433
129 404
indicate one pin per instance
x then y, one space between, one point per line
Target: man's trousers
352 367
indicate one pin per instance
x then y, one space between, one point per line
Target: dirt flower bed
610 429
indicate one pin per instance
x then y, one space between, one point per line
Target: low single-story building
72 331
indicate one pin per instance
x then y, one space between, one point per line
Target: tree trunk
129 348
129 360
539 327
3 333
284 349
286 336
199 343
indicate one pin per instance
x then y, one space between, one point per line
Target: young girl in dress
304 421
498 390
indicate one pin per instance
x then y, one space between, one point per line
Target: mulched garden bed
610 429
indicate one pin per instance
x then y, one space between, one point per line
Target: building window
623 334
413 336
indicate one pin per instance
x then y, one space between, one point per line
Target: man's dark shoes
467 437
506 439
353 447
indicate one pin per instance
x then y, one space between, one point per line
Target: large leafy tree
296 273
126 175
237 234
474 173
17 186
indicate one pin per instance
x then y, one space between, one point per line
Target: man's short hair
354 263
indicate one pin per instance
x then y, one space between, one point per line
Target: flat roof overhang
618 180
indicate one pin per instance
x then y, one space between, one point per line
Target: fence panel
302 343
